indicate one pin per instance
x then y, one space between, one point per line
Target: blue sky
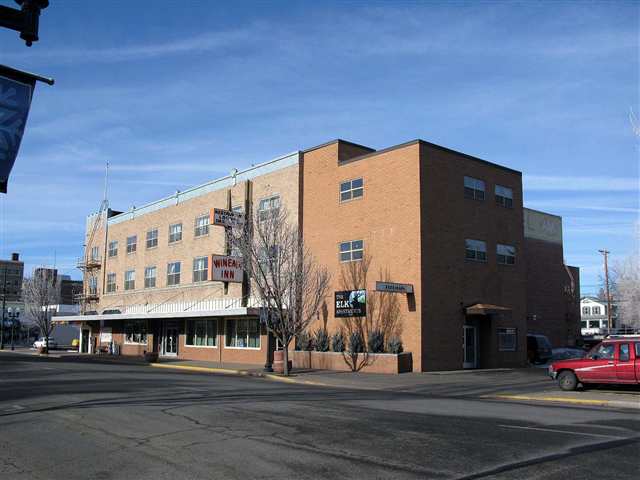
174 93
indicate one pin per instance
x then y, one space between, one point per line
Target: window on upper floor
268 207
149 277
595 310
200 269
475 250
351 251
132 244
351 189
113 248
152 238
95 253
175 232
586 310
473 188
111 282
93 285
130 280
504 196
505 254
202 225
173 273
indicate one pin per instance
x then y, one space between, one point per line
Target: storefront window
243 333
202 333
135 331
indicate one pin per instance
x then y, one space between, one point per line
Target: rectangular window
594 323
583 324
113 248
200 269
473 188
149 277
504 196
173 273
135 331
243 333
202 333
624 352
268 207
129 279
475 250
93 286
507 339
111 282
351 251
595 310
586 310
237 209
152 238
202 225
506 254
95 253
175 232
132 243
351 189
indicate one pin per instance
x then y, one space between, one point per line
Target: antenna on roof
106 185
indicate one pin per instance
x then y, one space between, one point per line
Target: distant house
594 317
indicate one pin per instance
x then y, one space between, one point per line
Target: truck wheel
567 381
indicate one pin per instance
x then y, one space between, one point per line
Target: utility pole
605 253
4 297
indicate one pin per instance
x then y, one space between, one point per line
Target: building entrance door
84 341
470 347
170 337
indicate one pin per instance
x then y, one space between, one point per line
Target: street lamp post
4 297
26 20
10 310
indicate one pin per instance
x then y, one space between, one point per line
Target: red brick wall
450 282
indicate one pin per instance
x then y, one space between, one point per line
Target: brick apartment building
451 225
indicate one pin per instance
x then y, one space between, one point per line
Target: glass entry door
170 335
470 347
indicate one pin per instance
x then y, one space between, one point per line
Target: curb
574 401
33 354
190 368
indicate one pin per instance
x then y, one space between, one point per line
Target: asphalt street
63 419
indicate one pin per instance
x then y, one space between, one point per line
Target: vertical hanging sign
16 90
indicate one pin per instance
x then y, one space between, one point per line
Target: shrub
338 341
321 340
376 341
395 345
303 342
356 343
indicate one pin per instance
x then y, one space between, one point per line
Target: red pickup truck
614 360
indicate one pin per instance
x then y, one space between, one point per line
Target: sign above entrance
394 287
225 268
226 218
351 303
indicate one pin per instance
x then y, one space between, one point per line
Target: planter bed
377 362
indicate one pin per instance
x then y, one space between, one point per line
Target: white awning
227 312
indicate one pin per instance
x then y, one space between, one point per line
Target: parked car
41 342
538 348
614 360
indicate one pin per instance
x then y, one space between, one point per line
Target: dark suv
538 348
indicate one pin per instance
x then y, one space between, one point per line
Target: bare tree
284 275
383 314
626 281
40 293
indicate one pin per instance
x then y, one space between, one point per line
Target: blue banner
15 100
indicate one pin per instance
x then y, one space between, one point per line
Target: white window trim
170 242
340 252
154 277
127 245
179 273
146 241
340 192
193 270
240 348
213 347
196 226
486 255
